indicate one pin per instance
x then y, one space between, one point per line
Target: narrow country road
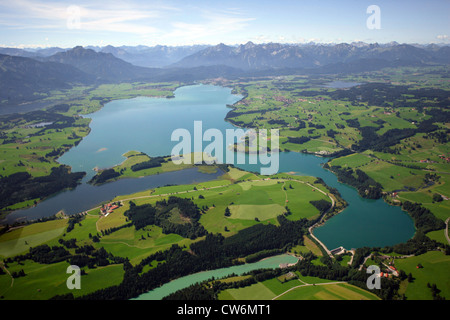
446 230
308 285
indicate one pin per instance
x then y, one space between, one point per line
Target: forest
378 94
366 186
104 176
213 252
424 219
21 186
163 214
152 163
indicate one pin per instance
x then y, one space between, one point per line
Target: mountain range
24 74
274 55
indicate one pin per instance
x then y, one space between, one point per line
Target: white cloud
148 22
117 17
443 37
211 25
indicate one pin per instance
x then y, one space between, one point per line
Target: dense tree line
84 256
353 123
114 229
321 205
440 136
300 125
69 244
91 258
215 248
73 220
262 254
366 186
141 216
297 140
234 114
435 292
21 186
280 122
371 140
334 271
152 163
217 252
209 290
317 126
424 219
104 176
378 93
213 252
418 245
160 215
44 254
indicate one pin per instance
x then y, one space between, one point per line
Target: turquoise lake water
170 287
146 124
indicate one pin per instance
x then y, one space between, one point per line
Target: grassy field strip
134 246
167 194
325 141
284 190
9 273
222 186
446 230
145 197
307 285
315 225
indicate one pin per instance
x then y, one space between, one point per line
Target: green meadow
252 199
298 288
435 271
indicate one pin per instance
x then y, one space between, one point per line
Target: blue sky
42 23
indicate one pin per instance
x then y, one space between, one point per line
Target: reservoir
145 124
183 282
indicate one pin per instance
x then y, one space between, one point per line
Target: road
307 285
319 222
446 230
221 186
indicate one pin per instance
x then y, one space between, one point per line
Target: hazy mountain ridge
152 57
23 79
251 56
143 56
104 66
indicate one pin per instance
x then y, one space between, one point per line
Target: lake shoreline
222 95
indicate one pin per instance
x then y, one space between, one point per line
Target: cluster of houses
442 156
427 161
390 271
108 208
283 99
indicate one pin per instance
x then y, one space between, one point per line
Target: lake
145 124
86 196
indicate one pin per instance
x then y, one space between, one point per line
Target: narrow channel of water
86 196
183 282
